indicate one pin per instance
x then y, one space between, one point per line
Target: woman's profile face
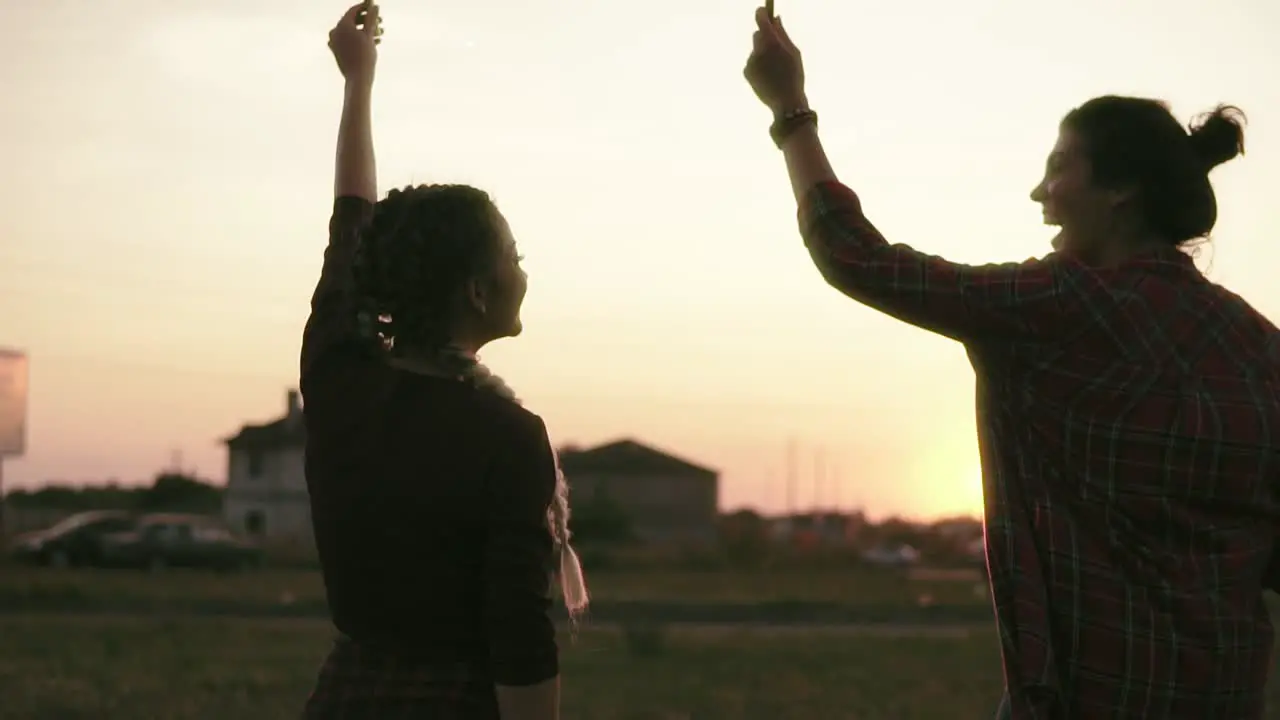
490 299
508 284
1070 200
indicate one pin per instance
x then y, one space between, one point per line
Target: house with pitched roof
266 493
666 499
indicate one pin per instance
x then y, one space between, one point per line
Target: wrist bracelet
787 123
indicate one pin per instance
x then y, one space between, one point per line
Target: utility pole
176 460
791 478
837 488
4 531
819 478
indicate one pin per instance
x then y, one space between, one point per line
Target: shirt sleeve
1271 575
1014 301
518 560
333 312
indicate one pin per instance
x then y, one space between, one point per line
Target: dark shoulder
342 392
521 462
1252 332
1238 307
490 421
511 421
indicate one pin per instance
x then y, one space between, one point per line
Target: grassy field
79 668
185 665
36 588
70 665
55 667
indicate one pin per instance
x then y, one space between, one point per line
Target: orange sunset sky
168 169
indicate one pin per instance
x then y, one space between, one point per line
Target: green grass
185 666
40 588
70 668
105 668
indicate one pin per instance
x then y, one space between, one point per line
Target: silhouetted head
1125 174
437 267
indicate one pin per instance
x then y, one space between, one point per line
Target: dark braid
421 246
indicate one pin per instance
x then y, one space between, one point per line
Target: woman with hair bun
439 511
1128 408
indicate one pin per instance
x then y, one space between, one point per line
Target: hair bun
1218 136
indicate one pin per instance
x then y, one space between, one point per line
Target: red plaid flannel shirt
1129 428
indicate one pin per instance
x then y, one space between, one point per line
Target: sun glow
975 494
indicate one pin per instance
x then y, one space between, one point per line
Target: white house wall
281 469
282 520
662 508
277 495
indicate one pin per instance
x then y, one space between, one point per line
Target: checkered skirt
357 682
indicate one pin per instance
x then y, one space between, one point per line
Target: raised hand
354 42
774 69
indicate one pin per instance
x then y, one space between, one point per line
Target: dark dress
429 500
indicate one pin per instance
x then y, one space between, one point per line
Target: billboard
13 403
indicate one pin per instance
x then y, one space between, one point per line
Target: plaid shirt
1129 428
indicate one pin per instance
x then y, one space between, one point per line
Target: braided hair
422 245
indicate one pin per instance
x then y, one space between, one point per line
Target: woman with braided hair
439 510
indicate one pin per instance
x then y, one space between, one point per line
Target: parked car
901 556
76 540
172 540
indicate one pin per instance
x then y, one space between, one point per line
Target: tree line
168 492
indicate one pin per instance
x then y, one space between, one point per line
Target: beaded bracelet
787 123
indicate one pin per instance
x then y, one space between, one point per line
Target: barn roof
282 433
628 457
286 431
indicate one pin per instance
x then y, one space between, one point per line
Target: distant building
266 494
666 500
808 530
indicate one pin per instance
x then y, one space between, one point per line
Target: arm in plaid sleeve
1271 576
518 558
965 302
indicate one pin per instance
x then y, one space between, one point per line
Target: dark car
172 540
77 540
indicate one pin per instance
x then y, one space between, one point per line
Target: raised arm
1010 301
354 47
1007 301
355 186
519 556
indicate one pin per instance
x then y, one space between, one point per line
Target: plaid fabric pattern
357 683
1129 428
